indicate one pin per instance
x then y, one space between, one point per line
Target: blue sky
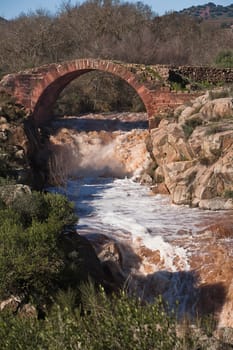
12 8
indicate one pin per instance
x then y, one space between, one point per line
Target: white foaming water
123 209
159 245
127 213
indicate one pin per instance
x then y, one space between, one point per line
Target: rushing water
125 211
162 248
118 207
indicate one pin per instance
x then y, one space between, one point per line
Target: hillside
116 30
2 20
210 11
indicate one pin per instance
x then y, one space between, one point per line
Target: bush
104 323
31 207
60 209
19 333
39 207
31 262
113 323
228 194
224 59
123 323
98 92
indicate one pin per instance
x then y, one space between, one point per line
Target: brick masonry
38 88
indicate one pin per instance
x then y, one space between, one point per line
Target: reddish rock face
193 154
38 89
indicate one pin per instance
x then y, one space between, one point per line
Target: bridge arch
57 76
37 89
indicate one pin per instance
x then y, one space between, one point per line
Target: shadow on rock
181 291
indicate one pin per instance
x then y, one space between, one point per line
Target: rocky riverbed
188 158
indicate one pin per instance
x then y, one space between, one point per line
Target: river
163 248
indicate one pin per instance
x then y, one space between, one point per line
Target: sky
12 8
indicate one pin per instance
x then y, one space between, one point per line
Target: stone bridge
37 89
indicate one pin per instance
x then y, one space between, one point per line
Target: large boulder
86 260
218 108
216 203
194 156
9 193
169 145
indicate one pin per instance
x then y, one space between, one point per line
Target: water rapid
161 248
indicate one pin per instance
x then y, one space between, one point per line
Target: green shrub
107 323
228 194
31 207
97 92
60 209
31 262
123 323
20 333
224 59
39 207
2 204
7 181
178 86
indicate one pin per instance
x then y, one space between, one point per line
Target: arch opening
98 92
48 91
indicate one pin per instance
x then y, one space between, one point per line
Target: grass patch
215 94
116 323
175 86
228 194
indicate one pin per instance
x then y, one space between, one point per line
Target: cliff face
193 153
13 140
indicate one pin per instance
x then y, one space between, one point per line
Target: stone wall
200 74
164 75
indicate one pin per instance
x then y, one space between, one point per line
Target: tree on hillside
109 29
